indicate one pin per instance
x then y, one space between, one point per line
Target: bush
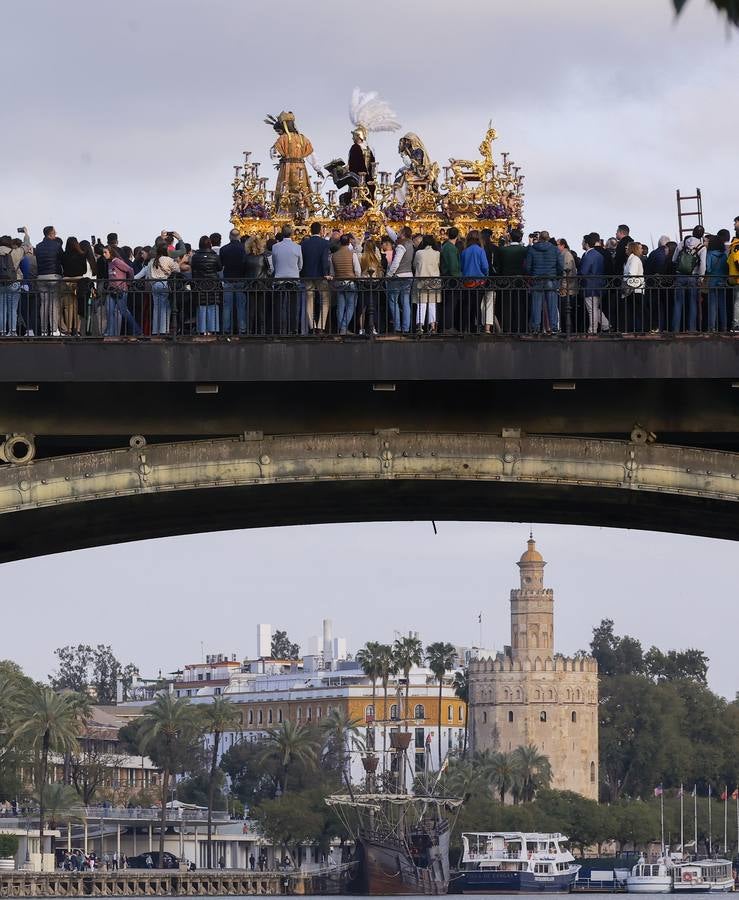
8 845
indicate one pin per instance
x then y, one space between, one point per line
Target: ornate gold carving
473 194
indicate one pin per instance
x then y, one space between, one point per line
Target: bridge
114 440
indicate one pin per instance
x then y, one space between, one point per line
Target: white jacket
634 273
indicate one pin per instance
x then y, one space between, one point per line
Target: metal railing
178 308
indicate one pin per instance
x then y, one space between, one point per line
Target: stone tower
531 695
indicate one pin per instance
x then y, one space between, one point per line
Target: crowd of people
79 861
338 283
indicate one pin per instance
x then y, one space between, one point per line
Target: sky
129 117
156 601
131 121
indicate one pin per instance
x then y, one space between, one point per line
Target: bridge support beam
111 496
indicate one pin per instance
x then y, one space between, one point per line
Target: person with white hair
657 268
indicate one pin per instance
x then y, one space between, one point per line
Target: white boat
514 862
650 878
703 876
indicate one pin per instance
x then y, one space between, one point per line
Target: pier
159 883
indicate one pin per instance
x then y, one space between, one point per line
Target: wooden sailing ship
401 839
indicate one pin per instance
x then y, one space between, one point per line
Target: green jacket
449 262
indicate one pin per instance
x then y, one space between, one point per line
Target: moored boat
650 878
514 862
703 876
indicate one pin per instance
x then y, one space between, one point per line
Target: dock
160 883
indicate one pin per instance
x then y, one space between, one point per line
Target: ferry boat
650 878
514 862
703 876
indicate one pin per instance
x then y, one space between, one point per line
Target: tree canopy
91 670
282 647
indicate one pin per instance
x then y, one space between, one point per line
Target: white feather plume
371 112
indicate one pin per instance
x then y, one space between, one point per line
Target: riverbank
165 883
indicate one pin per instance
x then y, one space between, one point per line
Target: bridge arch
113 496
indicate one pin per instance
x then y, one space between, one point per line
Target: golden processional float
474 193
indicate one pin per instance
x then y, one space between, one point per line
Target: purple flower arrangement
255 211
492 211
351 212
397 212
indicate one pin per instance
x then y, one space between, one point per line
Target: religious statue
417 170
342 178
292 149
368 114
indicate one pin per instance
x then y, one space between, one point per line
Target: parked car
169 861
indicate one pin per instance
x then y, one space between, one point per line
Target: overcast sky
129 117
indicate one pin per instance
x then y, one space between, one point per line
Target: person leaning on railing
345 269
206 268
370 262
545 265
717 271
592 279
475 270
450 269
11 277
634 316
426 267
157 271
732 252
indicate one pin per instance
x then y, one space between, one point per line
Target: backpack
7 269
688 260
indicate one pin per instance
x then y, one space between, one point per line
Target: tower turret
532 606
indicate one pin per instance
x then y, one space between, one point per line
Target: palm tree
341 730
408 652
463 778
168 729
290 743
730 8
47 722
370 659
461 686
440 656
219 716
534 771
386 668
504 772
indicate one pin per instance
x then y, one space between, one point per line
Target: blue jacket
49 256
658 262
717 268
233 256
544 260
592 270
315 257
474 262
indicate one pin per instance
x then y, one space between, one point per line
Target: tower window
394 711
484 718
592 773
574 716
542 716
450 712
461 714
510 715
269 716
